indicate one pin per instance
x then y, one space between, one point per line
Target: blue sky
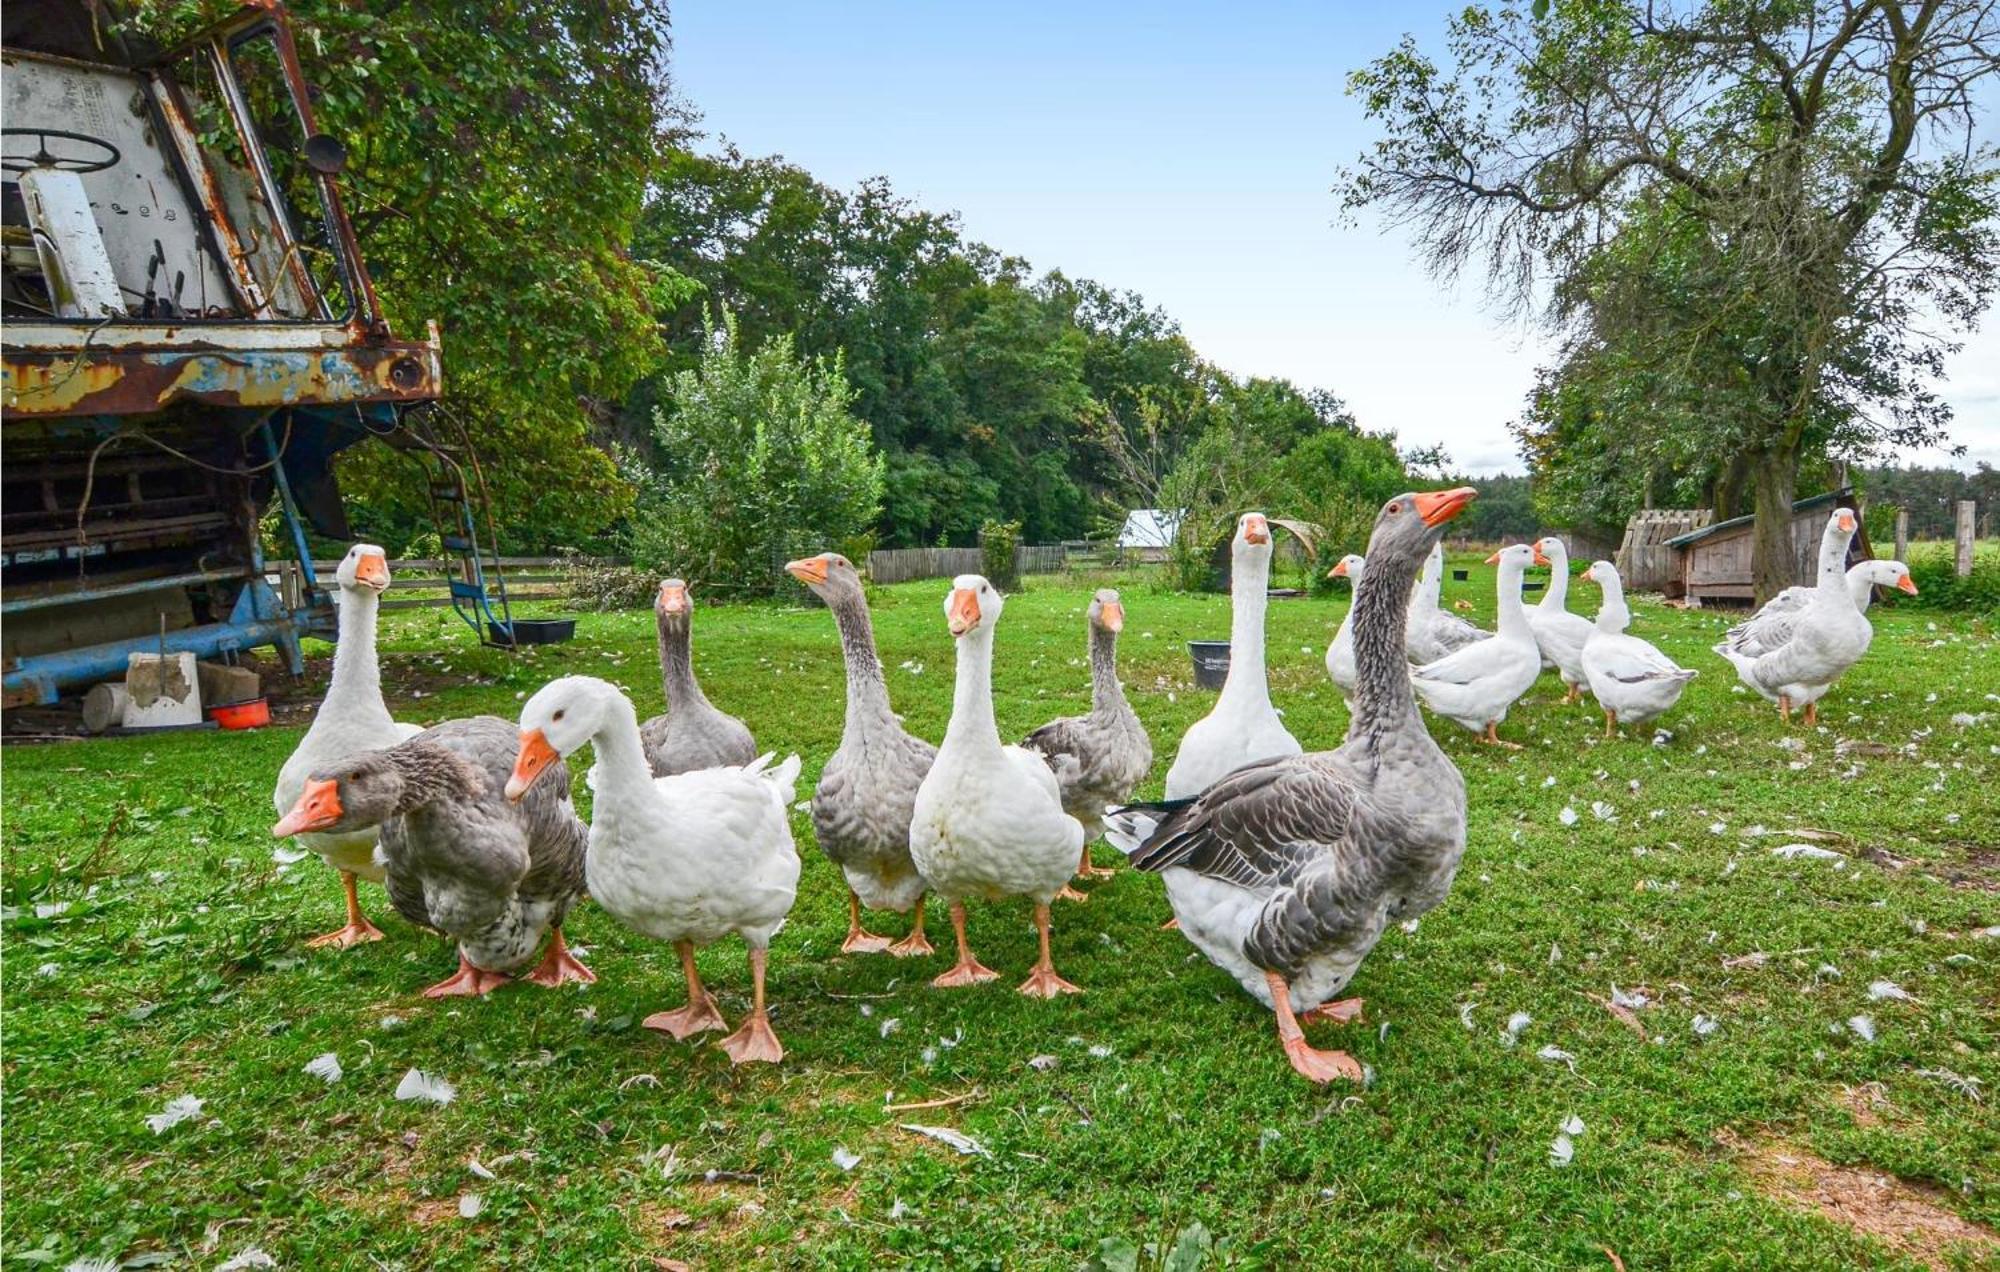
1183 151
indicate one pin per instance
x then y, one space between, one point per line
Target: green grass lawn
175 966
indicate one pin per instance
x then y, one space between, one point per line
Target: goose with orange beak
1340 654
989 822
1287 871
1476 685
1632 681
352 717
688 859
692 733
495 875
1099 759
1794 663
1559 634
1243 726
867 792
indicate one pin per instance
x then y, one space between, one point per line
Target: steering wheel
46 158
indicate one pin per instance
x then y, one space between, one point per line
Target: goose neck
356 686
1557 597
1612 614
1513 622
1249 585
972 724
1106 694
1379 618
676 642
621 756
867 690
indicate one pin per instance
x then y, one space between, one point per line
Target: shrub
762 462
597 584
998 541
1933 570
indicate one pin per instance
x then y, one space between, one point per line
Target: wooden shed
1644 561
1715 560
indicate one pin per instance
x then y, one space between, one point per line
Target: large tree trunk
1776 480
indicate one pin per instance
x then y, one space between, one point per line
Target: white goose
1340 654
1476 685
1631 680
689 858
1559 634
1244 726
989 820
1435 632
1771 626
351 718
1825 637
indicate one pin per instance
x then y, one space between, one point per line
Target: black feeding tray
533 631
1461 575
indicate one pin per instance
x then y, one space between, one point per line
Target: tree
496 170
761 462
1760 202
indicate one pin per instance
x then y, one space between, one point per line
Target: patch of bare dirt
1895 1212
1868 1104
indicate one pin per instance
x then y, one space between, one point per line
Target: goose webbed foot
559 967
699 1016
1043 982
1346 1011
357 930
1085 870
754 1040
1309 1062
1492 737
859 939
1171 925
968 970
916 944
468 981
1069 893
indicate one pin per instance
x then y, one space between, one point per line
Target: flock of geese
1282 866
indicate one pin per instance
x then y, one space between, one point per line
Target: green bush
1933 570
762 462
998 541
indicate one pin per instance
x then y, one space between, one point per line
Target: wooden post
1965 510
1902 534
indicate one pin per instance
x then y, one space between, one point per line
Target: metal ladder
463 515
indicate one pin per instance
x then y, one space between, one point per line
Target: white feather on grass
1863 1027
246 1258
1881 989
1515 1024
469 1205
946 1135
846 1160
325 1067
1792 852
178 1110
1556 1055
1562 1150
418 1085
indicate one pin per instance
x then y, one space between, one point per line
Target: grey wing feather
1261 826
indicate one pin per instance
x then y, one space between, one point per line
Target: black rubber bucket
1211 662
535 631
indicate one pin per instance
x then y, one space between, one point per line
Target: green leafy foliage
759 461
998 542
497 164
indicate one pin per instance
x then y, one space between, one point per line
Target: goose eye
558 715
1396 506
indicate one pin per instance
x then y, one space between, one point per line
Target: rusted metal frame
217 51
210 336
126 383
100 592
361 288
175 117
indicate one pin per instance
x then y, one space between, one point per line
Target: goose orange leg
559 966
916 944
1610 723
1784 708
753 1039
358 929
1492 737
1088 871
859 940
968 970
1317 1066
1043 982
466 981
1812 715
700 1015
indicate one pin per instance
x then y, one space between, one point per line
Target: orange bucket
242 715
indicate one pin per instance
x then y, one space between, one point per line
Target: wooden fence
527 579
900 565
